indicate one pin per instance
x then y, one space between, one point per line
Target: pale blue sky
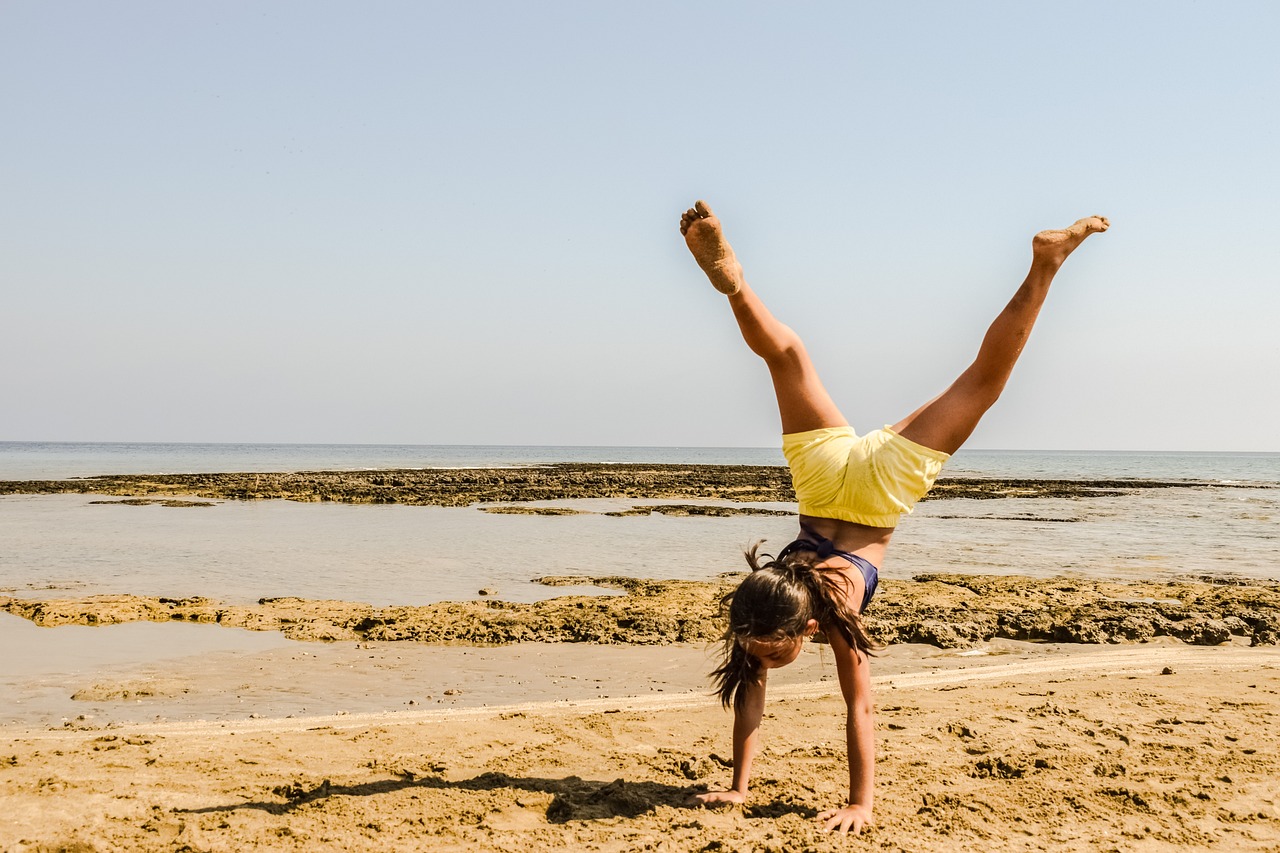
456 223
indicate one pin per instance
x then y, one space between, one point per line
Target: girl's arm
854 670
746 736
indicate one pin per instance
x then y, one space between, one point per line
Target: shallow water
1155 533
60 545
382 555
42 668
65 545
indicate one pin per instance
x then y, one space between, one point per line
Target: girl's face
775 653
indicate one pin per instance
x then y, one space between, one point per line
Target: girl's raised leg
945 422
803 402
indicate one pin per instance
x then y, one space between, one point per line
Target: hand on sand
852 817
714 797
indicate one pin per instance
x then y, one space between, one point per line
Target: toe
702 209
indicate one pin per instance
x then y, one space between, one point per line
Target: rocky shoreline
944 610
466 486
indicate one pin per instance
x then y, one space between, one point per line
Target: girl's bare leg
803 402
945 422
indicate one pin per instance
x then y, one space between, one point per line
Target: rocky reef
463 487
945 610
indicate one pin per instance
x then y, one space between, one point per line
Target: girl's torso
859 540
870 543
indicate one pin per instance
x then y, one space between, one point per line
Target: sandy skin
706 241
1053 247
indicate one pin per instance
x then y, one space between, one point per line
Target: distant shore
466 486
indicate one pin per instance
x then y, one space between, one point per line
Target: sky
456 223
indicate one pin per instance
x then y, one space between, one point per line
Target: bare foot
1054 246
705 238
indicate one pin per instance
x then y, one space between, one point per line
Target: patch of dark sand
463 487
675 510
944 610
172 502
688 510
1009 518
532 510
130 691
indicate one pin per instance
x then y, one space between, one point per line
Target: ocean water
61 460
241 551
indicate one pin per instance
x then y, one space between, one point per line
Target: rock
1200 631
697 768
1136 628
1083 631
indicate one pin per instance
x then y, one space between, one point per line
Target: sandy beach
1153 747
1067 712
1104 742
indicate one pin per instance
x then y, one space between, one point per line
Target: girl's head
774 610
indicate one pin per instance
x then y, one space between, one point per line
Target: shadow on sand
573 798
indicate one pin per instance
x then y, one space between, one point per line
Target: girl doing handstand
851 490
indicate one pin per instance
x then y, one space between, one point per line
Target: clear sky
455 223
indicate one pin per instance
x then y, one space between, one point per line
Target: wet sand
1155 747
987 745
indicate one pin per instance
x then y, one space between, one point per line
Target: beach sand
1013 713
1151 746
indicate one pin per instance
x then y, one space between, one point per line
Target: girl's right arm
746 735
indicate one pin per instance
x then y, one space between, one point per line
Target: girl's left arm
854 670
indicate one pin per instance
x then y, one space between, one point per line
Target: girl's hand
851 817
716 797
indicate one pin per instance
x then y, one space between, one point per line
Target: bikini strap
819 544
824 548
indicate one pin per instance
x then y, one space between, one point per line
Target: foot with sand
1052 247
705 238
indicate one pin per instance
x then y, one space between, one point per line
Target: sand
1012 713
1145 747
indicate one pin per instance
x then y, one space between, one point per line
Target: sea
1221 521
35 460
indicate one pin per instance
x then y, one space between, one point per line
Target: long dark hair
776 602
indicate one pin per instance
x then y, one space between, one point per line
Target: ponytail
776 602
